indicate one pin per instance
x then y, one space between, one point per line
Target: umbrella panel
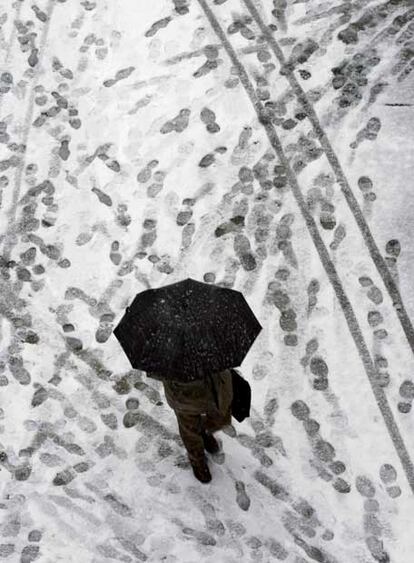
162 331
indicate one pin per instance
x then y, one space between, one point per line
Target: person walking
201 407
187 334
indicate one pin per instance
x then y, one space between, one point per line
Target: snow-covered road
264 146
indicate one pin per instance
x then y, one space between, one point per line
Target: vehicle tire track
323 253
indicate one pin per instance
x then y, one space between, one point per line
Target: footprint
236 528
231 268
35 535
123 219
311 347
114 255
311 426
155 480
287 250
328 535
153 190
303 508
324 450
259 372
339 235
241 498
63 477
372 525
375 295
86 424
201 537
205 68
173 488
51 460
371 505
365 486
327 217
393 248
183 217
365 184
337 467
300 410
270 409
102 196
275 489
178 123
404 408
383 377
312 290
207 116
145 173
83 238
81 467
407 393
218 458
287 320
319 368
213 524
380 334
375 318
29 553
394 491
341 485
369 132
187 235
365 281
321 471
156 26
39 396
388 476
376 547
131 545
148 237
104 330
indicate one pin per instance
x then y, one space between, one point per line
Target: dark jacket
214 393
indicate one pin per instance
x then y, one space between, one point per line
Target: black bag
242 395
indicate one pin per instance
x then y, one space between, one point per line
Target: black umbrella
187 330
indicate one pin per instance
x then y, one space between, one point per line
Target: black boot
210 443
201 470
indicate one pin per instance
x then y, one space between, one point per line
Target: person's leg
189 427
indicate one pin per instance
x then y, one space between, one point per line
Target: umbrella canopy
187 330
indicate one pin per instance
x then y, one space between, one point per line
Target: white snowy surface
129 207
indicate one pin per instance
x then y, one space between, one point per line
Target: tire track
333 160
11 235
323 253
12 34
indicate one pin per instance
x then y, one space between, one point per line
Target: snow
137 190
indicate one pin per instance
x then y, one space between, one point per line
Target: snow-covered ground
146 142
